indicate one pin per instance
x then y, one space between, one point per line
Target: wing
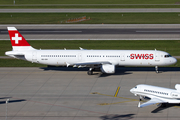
151 102
92 63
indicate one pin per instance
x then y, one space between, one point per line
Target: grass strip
95 18
170 46
89 4
11 2
18 63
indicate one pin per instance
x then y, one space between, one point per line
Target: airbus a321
156 94
105 60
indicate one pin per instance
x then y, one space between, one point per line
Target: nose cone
132 90
174 60
171 61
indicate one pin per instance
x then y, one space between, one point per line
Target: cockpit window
166 56
135 87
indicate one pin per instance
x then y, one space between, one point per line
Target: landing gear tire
156 68
140 98
90 72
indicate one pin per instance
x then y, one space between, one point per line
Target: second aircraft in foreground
156 94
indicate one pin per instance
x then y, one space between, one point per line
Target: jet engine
106 68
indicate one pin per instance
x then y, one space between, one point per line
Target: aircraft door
157 56
122 57
79 56
34 56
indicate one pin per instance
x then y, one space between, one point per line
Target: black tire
90 72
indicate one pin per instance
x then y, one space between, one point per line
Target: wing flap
151 102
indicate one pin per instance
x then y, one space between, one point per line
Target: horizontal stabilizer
13 53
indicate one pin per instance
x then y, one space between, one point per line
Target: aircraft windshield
135 87
166 56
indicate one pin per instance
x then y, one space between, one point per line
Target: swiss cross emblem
16 38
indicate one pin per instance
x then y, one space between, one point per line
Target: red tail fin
16 38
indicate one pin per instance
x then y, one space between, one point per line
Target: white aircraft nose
174 60
131 90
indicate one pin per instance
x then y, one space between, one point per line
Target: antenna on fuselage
82 48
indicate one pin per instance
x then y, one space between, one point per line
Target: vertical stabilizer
17 40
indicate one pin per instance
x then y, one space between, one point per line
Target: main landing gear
162 105
90 71
140 98
156 68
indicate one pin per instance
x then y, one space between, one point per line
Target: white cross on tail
16 38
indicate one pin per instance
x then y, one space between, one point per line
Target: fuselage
116 57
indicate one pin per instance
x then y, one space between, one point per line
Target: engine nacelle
108 68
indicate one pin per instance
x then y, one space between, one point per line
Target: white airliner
106 60
157 94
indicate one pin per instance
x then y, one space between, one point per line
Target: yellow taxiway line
117 91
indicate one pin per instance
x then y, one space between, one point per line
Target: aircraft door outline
34 56
122 57
80 57
157 56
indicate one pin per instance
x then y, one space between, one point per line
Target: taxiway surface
69 93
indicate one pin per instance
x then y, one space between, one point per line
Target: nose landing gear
156 68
